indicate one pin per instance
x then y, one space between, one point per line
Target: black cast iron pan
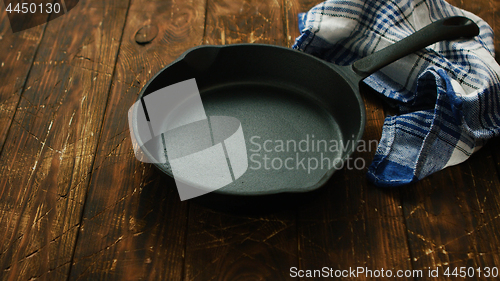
282 96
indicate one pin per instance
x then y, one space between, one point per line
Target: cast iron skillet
281 94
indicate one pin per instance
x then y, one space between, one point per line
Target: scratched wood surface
16 61
75 204
133 227
47 157
223 246
452 217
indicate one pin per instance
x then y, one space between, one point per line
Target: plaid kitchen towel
458 81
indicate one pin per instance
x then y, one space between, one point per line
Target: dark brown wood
290 20
16 60
20 20
247 21
353 224
450 215
49 151
134 224
146 34
229 247
482 209
487 10
222 246
75 204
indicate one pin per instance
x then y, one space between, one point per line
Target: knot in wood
146 34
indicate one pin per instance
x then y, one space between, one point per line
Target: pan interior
292 142
298 115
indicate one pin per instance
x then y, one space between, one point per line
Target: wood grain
49 151
134 223
485 9
353 224
247 21
229 247
75 204
290 20
221 246
481 207
16 60
449 214
483 203
20 21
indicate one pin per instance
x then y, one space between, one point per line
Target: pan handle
450 28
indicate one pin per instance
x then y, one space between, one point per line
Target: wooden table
75 204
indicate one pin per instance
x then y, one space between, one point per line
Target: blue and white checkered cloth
457 80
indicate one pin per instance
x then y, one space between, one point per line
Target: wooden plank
50 148
437 231
221 245
452 215
16 60
353 224
292 10
134 223
483 203
248 21
482 206
488 10
35 12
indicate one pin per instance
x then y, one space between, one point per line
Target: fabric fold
447 94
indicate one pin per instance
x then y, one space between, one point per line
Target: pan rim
335 69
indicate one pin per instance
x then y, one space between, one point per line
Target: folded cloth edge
453 126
